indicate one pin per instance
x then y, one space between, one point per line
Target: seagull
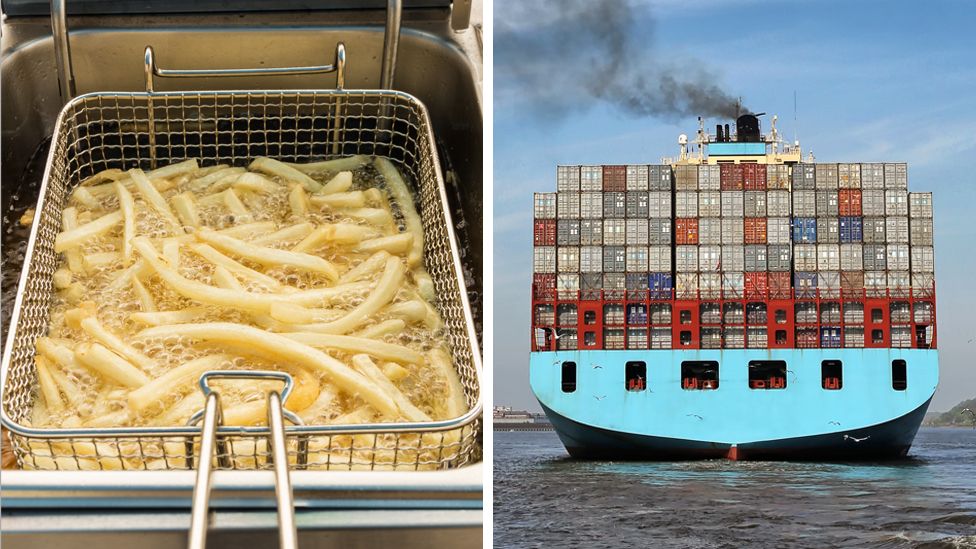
695 415
971 340
834 422
855 439
597 367
600 397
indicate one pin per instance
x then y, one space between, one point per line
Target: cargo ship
737 301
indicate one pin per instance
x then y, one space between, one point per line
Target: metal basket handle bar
212 417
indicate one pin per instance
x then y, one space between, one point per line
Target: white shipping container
826 175
805 257
875 281
686 204
614 281
686 285
873 202
828 230
659 231
709 204
710 285
637 232
591 205
896 175
568 206
896 230
659 259
591 232
591 178
827 203
874 230
637 177
923 259
545 206
733 258
828 280
544 260
709 258
849 176
898 257
567 259
567 285
872 176
851 257
920 231
896 202
899 280
614 232
777 230
686 259
637 259
733 230
709 177
754 204
922 284
591 259
804 203
732 203
709 230
778 203
920 205
733 284
659 204
828 257
568 178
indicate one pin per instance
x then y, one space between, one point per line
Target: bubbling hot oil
115 303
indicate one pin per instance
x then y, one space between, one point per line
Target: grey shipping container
709 259
778 203
614 205
686 285
896 230
851 257
709 178
920 205
828 257
614 259
827 203
637 260
591 259
733 230
898 257
874 230
686 204
591 205
777 230
779 258
636 232
754 204
923 259
614 282
874 280
659 204
873 202
872 176
659 231
544 260
896 202
686 178
591 178
568 285
804 177
709 230
826 176
614 232
732 203
875 258
755 258
733 284
896 175
544 206
828 282
568 205
899 280
660 178
637 177
804 203
637 205
568 179
733 258
709 204
920 231
659 258
591 232
922 284
710 285
686 259
777 176
567 259
568 232
805 257
849 176
828 230
591 281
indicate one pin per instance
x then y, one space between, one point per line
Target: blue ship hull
866 419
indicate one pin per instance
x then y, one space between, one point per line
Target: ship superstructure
734 301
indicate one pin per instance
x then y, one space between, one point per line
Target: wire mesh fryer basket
127 130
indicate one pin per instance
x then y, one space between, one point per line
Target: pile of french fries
302 268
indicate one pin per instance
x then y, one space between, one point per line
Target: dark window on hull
832 375
899 375
569 377
636 373
767 374
589 317
699 375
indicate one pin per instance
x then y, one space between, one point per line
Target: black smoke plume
562 54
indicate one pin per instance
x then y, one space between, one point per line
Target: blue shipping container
851 229
805 284
660 285
805 229
829 337
636 313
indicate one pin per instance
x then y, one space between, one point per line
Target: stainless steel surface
62 50
200 508
287 531
460 14
391 40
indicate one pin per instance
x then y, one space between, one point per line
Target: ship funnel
718 133
747 129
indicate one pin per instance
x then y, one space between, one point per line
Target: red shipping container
545 232
849 201
686 230
779 285
755 230
754 177
757 285
852 282
730 177
543 286
615 179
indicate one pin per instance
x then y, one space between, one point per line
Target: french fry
352 199
341 182
298 201
187 166
84 197
286 234
171 252
100 360
378 217
210 254
186 209
314 239
73 238
62 278
386 288
154 199
365 269
93 262
368 368
413 310
425 285
292 313
284 171
338 164
248 230
49 388
205 182
257 183
158 318
346 233
401 194
455 404
350 344
376 331
394 372
396 244
99 333
145 298
170 382
267 256
304 392
236 207
128 207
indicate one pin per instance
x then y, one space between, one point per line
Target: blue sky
875 81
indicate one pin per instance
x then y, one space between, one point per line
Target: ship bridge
746 145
